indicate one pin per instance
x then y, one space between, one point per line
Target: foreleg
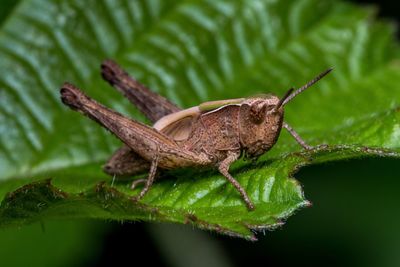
296 136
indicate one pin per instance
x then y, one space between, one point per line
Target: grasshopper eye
257 112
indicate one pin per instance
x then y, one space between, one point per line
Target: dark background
355 220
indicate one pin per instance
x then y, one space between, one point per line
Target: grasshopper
215 133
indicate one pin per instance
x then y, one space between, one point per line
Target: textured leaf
190 52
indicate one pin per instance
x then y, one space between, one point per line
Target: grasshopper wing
178 125
214 105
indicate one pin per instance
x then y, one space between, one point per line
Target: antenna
288 93
304 87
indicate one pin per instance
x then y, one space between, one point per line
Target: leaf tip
307 204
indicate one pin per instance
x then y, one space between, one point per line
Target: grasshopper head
260 122
261 119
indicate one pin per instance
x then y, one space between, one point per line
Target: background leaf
71 243
6 8
190 52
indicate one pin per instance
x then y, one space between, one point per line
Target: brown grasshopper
214 133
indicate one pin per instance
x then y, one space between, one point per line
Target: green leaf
6 8
190 52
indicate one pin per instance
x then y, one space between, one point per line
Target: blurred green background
354 221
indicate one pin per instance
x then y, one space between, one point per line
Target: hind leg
151 104
124 161
147 142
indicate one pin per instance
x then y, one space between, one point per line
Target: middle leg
224 170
